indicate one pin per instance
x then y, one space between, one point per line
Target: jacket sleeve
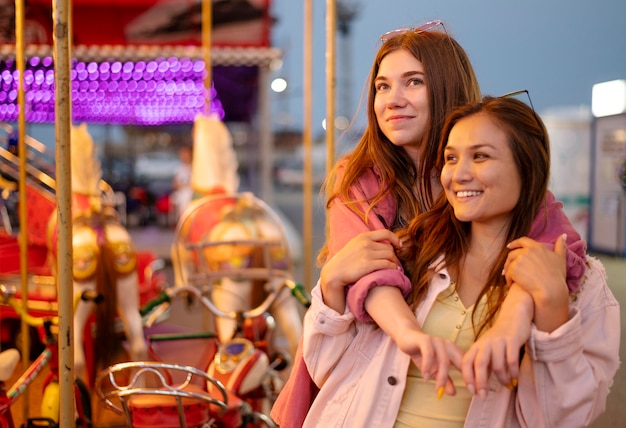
326 336
344 224
567 373
550 223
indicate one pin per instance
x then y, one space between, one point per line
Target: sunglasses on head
430 25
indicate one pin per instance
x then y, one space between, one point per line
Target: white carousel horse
104 260
231 232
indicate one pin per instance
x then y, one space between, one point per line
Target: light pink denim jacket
564 379
294 400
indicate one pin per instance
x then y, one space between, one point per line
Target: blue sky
557 49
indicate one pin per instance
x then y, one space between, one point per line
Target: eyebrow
404 75
473 146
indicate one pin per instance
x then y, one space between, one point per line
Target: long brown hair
450 82
438 231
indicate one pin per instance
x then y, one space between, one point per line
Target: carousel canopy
140 61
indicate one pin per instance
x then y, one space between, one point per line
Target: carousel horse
104 260
233 240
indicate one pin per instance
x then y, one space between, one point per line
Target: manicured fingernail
440 392
514 382
471 389
510 386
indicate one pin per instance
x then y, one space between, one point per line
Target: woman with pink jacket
471 262
418 76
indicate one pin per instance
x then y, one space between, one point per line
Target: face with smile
480 177
401 100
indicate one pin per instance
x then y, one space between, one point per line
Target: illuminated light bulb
198 66
185 65
151 67
164 66
39 77
175 66
28 77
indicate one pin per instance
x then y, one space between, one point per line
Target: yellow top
420 407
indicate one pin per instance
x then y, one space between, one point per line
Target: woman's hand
542 273
497 350
365 253
433 356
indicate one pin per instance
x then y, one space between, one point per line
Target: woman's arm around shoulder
566 374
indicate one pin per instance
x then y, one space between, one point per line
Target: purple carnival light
165 90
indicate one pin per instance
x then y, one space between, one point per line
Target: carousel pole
207 25
62 35
307 219
21 150
331 81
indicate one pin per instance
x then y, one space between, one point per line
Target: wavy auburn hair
450 81
437 232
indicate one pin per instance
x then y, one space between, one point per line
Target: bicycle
241 373
49 357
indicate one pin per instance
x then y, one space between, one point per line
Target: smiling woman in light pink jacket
495 166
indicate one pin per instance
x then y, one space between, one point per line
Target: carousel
65 249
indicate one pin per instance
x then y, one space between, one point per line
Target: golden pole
307 219
331 35
62 36
21 151
207 25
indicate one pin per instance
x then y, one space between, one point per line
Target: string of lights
150 92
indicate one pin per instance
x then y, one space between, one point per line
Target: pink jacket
564 379
292 404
